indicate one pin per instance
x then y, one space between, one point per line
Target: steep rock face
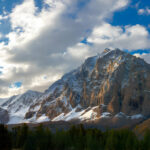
106 84
4 117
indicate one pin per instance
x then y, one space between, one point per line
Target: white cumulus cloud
43 45
144 11
128 37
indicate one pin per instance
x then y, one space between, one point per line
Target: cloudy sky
40 40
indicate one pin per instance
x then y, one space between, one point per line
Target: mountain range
109 89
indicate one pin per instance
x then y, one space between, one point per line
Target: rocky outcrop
4 117
113 84
18 105
114 79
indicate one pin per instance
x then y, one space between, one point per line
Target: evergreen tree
30 143
146 140
5 139
22 133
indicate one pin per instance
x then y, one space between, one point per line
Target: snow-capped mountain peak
109 85
17 106
102 81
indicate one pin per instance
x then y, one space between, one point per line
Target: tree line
75 138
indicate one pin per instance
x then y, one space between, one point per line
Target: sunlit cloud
40 45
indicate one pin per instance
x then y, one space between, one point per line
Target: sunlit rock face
111 85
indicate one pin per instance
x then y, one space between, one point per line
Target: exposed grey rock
113 84
115 79
4 117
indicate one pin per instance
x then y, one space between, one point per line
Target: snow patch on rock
42 118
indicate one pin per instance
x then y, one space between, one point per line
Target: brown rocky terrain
113 81
112 88
142 127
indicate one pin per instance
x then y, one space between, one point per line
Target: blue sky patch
16 85
1 70
130 15
8 5
138 52
84 41
82 3
39 4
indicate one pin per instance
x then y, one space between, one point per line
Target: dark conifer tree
5 138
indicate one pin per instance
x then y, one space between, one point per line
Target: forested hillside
76 138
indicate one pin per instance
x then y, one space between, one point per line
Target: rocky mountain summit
113 84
